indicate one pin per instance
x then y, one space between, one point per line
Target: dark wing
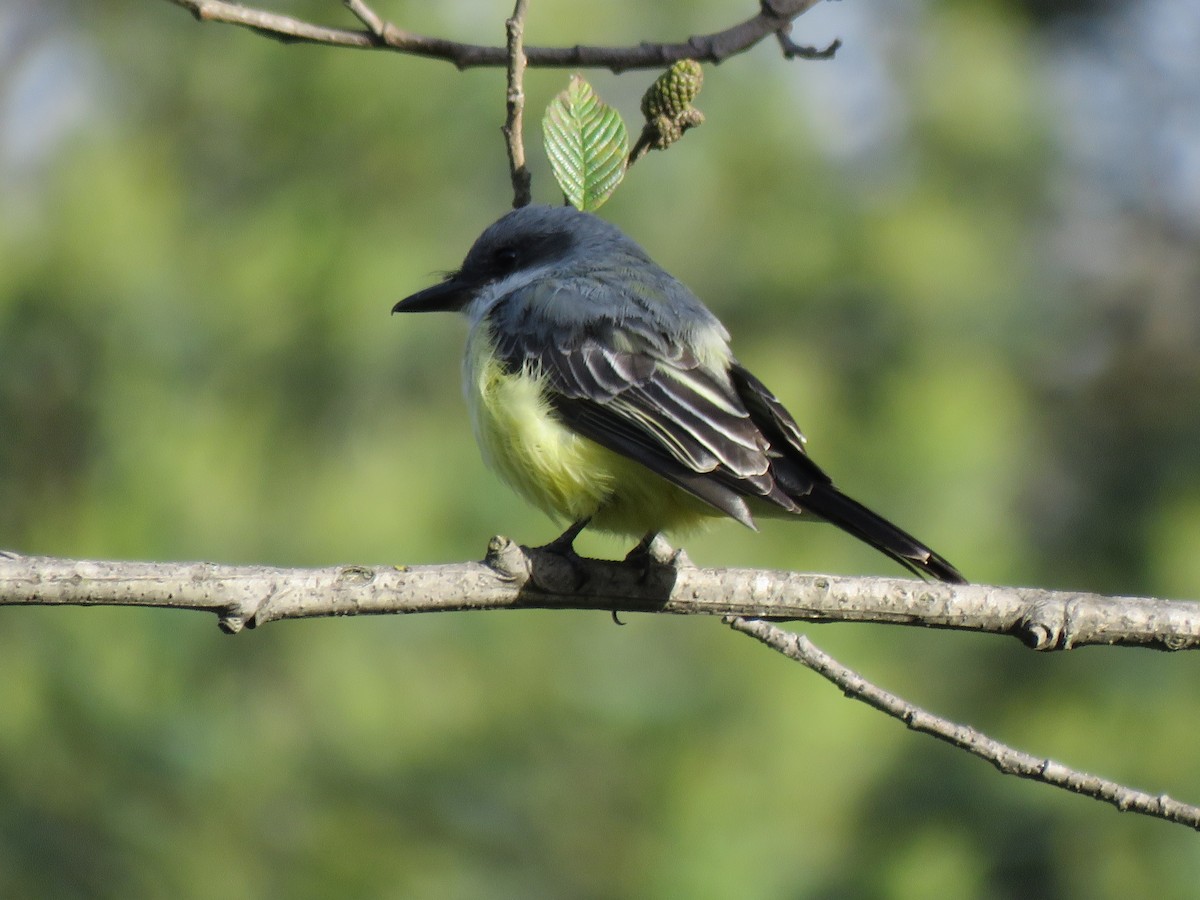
795 473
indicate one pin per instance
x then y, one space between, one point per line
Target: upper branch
774 17
514 577
514 123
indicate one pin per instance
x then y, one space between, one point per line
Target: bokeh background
966 253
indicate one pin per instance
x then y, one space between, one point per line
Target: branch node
231 624
1040 629
355 575
769 9
508 560
369 18
663 553
792 50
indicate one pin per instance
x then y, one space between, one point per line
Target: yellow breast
565 475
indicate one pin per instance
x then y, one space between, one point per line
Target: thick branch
514 577
1007 759
774 17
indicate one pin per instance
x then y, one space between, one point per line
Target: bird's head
523 246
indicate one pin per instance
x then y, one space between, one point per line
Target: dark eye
505 259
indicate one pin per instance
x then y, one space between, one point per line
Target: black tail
852 517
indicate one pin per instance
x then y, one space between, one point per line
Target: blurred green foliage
196 362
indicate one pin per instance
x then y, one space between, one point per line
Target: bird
603 391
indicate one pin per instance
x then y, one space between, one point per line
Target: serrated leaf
586 141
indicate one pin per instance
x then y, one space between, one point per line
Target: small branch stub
792 50
506 558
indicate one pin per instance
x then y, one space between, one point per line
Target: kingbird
604 392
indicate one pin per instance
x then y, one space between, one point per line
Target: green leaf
587 144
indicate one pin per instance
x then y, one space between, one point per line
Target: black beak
449 296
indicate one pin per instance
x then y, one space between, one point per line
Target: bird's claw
650 552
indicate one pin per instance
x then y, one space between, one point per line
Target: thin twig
1007 759
369 17
712 48
515 577
514 124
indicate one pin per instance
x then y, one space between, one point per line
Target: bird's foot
651 551
563 547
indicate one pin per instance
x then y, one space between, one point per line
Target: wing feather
625 436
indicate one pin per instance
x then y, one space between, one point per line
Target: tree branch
1008 760
514 124
774 17
515 577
